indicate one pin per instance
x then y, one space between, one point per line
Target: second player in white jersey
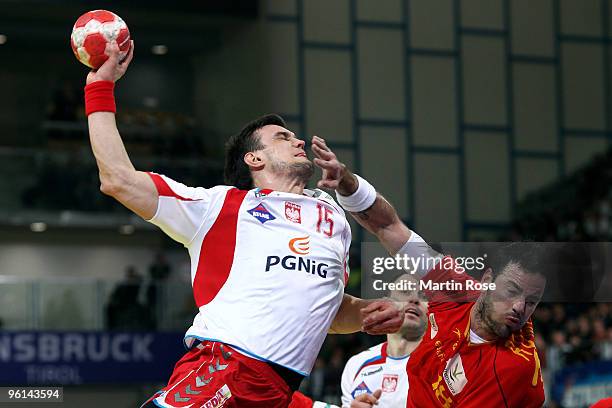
383 367
372 370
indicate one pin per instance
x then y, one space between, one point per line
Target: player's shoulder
366 363
454 309
167 186
215 191
321 195
368 356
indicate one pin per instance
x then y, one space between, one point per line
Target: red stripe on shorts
217 252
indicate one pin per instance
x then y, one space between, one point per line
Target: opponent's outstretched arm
118 177
381 219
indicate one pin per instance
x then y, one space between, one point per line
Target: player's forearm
348 183
348 319
114 165
382 220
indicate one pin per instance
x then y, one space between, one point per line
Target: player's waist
267 336
292 378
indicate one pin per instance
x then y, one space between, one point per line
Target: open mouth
413 312
514 321
301 155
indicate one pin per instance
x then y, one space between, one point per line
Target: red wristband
99 97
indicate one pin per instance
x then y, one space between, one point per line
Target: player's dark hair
237 172
532 257
576 268
544 258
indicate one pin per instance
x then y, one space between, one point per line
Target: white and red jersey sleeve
181 210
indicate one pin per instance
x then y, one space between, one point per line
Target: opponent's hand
366 400
113 68
381 317
325 158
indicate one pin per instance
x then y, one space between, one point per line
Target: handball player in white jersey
269 258
381 370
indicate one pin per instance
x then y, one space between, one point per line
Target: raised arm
118 177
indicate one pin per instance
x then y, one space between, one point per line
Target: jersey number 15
325 218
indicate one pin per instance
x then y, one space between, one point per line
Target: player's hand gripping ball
92 31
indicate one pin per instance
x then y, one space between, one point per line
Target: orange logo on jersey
300 245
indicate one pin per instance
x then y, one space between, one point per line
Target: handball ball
92 31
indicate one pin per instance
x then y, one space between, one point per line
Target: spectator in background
158 274
557 352
606 346
160 268
124 311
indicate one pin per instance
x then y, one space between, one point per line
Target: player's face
282 145
415 313
508 307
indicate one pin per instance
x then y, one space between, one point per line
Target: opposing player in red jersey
269 258
479 348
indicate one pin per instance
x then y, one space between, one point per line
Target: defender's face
414 310
281 145
511 304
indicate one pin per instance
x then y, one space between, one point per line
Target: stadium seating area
61 173
577 208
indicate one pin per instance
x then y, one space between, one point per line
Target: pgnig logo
297 263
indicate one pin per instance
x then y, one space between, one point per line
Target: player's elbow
108 188
114 183
111 186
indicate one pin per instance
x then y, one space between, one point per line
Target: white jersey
371 370
268 268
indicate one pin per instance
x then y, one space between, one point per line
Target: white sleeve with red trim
181 210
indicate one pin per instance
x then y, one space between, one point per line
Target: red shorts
300 401
213 375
